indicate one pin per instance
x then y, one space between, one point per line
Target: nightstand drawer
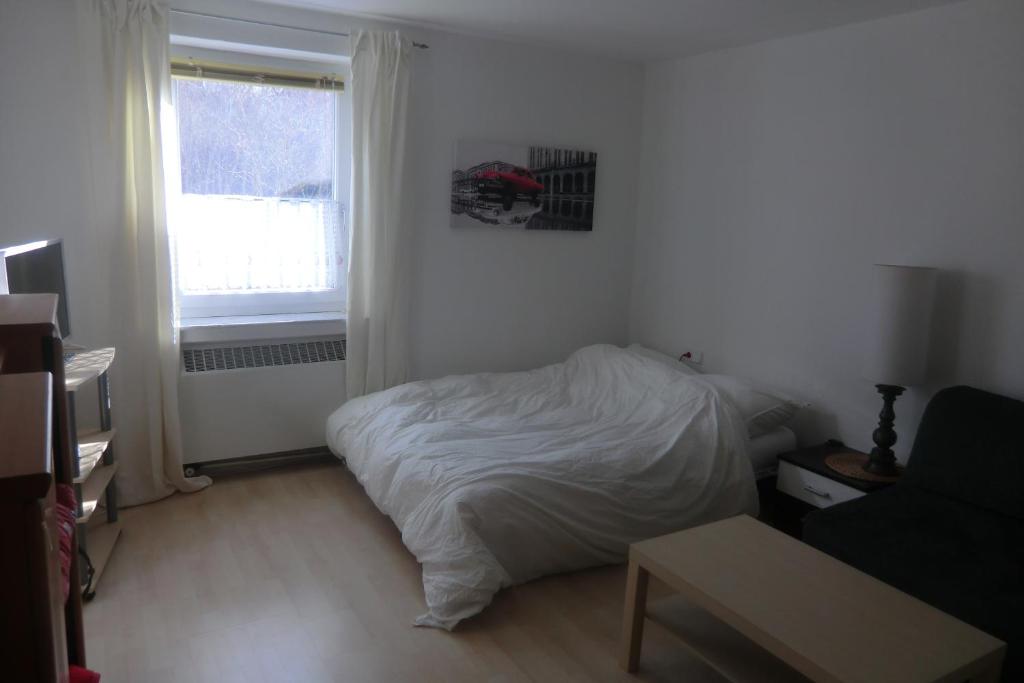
813 488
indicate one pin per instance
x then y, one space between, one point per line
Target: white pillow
762 409
659 357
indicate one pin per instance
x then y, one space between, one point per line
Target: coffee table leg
633 616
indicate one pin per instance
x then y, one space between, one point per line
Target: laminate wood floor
292 575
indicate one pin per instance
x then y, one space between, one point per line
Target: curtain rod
222 17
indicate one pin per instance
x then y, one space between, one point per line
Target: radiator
255 399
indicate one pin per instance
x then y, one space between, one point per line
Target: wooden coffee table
758 605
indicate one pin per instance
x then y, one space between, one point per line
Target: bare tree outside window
255 140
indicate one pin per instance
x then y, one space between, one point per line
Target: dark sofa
951 531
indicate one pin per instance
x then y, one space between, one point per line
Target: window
257 200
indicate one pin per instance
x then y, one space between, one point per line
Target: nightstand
805 482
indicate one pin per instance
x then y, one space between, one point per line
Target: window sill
261 327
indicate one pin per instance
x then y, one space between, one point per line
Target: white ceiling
638 30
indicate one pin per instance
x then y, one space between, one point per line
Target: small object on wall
692 357
538 188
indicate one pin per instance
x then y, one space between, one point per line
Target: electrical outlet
692 357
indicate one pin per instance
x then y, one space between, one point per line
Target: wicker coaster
852 465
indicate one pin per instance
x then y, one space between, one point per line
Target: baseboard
263 461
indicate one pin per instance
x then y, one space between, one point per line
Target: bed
764 450
496 479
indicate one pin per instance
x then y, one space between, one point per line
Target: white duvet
496 479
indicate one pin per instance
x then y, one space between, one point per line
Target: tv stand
94 466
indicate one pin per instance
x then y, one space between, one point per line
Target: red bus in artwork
508 183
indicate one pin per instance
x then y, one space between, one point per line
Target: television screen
37 268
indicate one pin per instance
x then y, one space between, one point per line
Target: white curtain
378 296
136 60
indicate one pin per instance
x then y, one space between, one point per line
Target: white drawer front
813 488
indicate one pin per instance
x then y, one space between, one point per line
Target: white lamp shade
900 319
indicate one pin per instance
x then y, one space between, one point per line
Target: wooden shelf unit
95 488
84 366
92 445
102 538
95 465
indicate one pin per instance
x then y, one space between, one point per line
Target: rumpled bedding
497 479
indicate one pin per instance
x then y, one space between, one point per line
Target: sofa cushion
969 446
964 560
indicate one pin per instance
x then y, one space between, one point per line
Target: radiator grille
263 355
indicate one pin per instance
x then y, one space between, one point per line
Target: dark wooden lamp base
882 460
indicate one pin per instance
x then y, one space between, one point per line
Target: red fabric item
66 507
80 675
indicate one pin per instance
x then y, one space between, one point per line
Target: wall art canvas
533 187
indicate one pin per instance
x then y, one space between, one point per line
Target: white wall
772 176
55 167
49 175
493 299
